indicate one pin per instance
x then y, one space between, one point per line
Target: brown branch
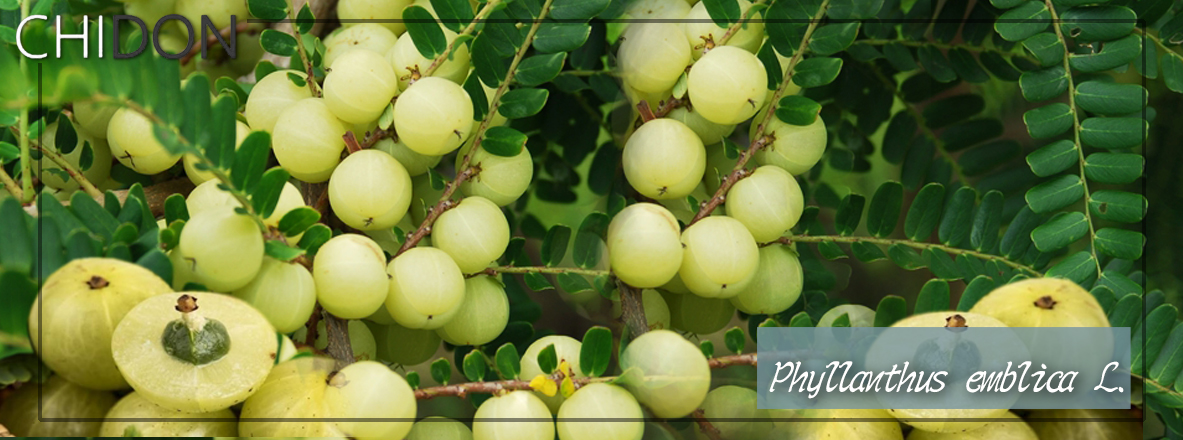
727 361
156 195
735 27
239 28
338 340
351 145
705 425
632 309
312 327
729 180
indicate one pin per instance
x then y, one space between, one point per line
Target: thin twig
909 243
704 425
728 361
74 173
939 45
1088 216
465 171
304 60
468 30
735 27
920 122
543 269
9 184
759 139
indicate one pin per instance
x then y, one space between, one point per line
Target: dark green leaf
425 31
554 246
17 252
1127 312
304 20
574 283
1023 21
1053 158
905 257
801 319
581 9
596 352
175 209
933 297
849 214
251 160
1108 98
832 38
1116 168
441 371
1048 121
898 137
1172 71
560 37
1097 23
1169 362
1157 328
278 42
900 57
539 69
708 348
816 72
955 223
974 291
509 364
1112 133
1118 206
265 196
936 64
314 237
734 339
966 66
986 157
1113 54
1060 231
548 360
503 141
454 14
589 240
723 12
1055 194
521 103
298 220
1120 243
1079 268
270 10
891 309
537 282
797 110
953 109
278 250
885 209
1041 85
474 366
925 212
867 252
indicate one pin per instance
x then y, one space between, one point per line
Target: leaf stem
74 173
26 192
544 269
939 45
468 30
9 184
909 243
308 68
920 122
1088 216
465 171
735 27
759 139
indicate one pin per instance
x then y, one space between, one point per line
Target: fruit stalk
312 85
542 269
735 27
11 185
705 425
464 171
760 140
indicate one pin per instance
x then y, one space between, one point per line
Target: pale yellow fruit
709 132
482 315
179 384
644 248
370 190
370 390
859 315
515 405
502 179
684 209
601 401
439 428
408 64
208 196
190 161
776 285
675 376
78 309
100 166
1015 429
307 140
222 249
566 349
658 9
664 159
886 429
133 143
94 117
361 87
700 29
271 96
698 315
404 346
733 402
433 116
653 55
284 292
58 399
474 233
134 406
719 259
795 148
415 163
426 288
355 12
1043 302
363 36
727 85
657 312
350 276
769 202
294 390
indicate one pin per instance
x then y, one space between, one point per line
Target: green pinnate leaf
280 251
539 69
441 371
925 212
1115 168
554 246
265 196
1113 54
1053 158
1048 121
933 297
474 366
1106 98
596 352
797 110
278 42
270 10
891 309
734 339
1055 194
1113 133
884 211
1060 231
816 72
1028 19
1118 206
509 364
425 31
522 103
503 141
298 220
1120 243
548 360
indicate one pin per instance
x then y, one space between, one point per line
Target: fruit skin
207 195
426 288
361 87
516 404
710 132
719 257
860 316
566 349
404 346
502 180
699 25
433 116
350 276
795 148
368 390
474 233
415 163
644 245
349 10
888 429
657 312
776 285
732 402
79 318
664 159
1084 430
295 389
676 376
482 315
601 400
134 406
768 202
1016 430
223 249
58 398
271 96
439 428
181 386
190 161
307 140
284 292
94 117
653 55
370 190
695 314
1043 302
364 36
132 142
405 57
727 85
